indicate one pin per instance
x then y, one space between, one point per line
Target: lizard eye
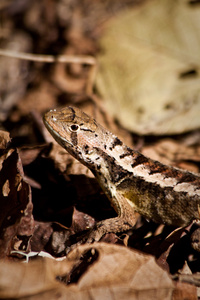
74 127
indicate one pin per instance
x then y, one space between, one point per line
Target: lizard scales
132 182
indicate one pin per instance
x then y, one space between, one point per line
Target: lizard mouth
59 138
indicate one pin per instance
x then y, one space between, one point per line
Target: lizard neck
112 161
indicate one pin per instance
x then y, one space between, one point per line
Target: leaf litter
48 199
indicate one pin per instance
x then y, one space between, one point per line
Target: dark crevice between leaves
86 260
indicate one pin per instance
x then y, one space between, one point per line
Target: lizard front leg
125 220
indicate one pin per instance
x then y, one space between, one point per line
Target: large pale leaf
100 271
149 67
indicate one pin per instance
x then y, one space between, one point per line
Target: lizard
131 181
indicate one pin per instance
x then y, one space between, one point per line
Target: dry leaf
16 220
19 280
4 139
41 236
13 73
174 153
149 67
34 100
185 291
95 272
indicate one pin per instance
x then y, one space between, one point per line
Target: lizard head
78 133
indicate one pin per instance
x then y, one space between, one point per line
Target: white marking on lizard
142 171
158 178
190 189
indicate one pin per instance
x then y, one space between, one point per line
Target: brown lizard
131 181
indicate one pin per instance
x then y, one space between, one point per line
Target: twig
80 59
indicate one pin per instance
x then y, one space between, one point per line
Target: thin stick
80 59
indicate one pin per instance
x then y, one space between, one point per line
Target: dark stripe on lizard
129 152
115 143
116 172
74 139
73 113
139 160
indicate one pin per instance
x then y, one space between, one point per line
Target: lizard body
131 181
